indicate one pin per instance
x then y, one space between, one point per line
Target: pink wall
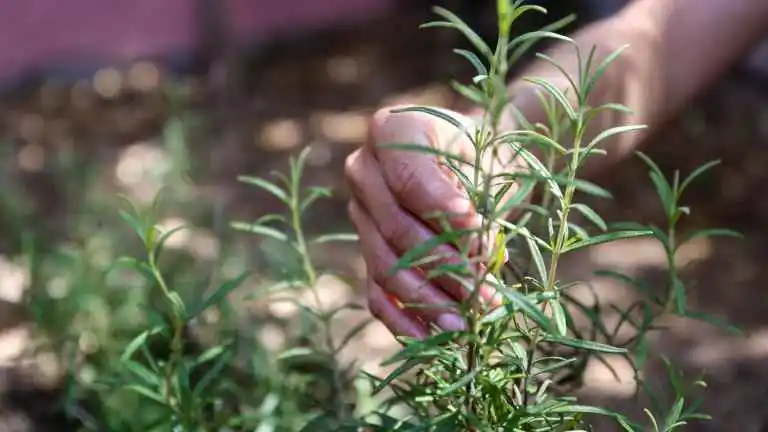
53 33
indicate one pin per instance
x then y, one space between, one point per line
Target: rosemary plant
512 368
515 367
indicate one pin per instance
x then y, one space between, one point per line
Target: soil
319 90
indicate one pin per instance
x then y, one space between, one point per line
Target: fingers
409 286
400 229
424 186
416 179
397 320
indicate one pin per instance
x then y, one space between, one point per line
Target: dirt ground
320 93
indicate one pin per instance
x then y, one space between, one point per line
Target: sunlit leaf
520 45
598 73
457 23
260 230
711 232
591 215
586 345
148 393
556 93
474 60
222 292
339 237
606 238
696 174
267 186
607 133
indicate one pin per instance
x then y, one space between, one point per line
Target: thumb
417 179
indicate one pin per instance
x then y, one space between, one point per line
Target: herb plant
515 367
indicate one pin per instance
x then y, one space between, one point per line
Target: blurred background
187 94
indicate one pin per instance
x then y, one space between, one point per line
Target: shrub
515 367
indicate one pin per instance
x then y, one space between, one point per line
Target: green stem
560 240
570 190
310 273
177 338
669 306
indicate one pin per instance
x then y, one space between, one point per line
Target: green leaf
221 362
359 327
210 354
420 347
441 114
586 345
267 186
132 207
696 173
558 313
157 247
297 166
422 250
471 93
274 288
141 372
260 230
521 44
591 215
543 141
605 238
134 264
539 171
613 131
556 93
340 237
538 259
609 107
474 60
223 291
456 23
136 225
557 66
588 188
714 321
516 301
418 148
663 189
314 193
137 342
146 393
296 352
177 304
592 81
711 232
397 373
678 290
459 384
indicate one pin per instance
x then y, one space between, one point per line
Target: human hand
394 192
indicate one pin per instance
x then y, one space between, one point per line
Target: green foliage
515 368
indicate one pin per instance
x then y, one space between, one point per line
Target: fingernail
451 322
496 298
477 220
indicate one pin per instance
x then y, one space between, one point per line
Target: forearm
677 48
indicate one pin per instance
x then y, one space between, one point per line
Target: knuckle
374 302
406 178
397 230
375 271
378 272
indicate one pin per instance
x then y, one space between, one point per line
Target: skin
677 49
